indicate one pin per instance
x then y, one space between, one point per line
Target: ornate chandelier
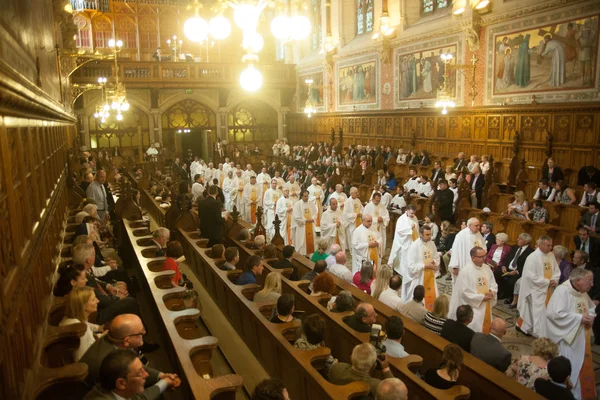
444 97
309 107
114 96
289 25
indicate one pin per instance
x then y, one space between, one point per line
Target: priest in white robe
339 195
270 199
239 199
315 196
210 174
475 286
248 173
353 210
230 190
284 209
366 243
423 268
540 277
381 217
407 231
195 167
252 196
264 180
220 175
332 226
569 318
197 188
465 240
303 220
294 188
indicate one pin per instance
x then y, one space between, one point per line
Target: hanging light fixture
309 107
444 98
114 96
251 79
219 27
196 29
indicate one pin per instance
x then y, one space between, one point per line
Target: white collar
117 397
492 335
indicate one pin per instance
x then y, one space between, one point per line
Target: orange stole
373 252
548 275
253 206
377 218
428 281
483 288
265 187
337 231
586 375
319 207
221 181
288 227
415 233
358 214
309 233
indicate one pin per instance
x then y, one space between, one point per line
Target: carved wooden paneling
430 127
533 127
562 128
442 127
494 127
535 156
584 130
465 127
420 127
479 127
509 127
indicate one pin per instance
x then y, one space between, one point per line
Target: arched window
148 34
429 6
364 16
126 31
102 28
122 133
252 123
187 114
83 39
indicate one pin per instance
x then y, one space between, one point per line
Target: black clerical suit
211 221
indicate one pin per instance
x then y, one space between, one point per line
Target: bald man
489 348
126 331
366 244
392 389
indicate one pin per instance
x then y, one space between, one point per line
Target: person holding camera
364 360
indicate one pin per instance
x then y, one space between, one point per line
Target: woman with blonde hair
446 375
526 369
81 303
434 320
272 290
321 252
382 280
381 179
519 208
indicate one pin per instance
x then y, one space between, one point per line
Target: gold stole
483 288
428 279
319 207
265 187
377 218
547 266
309 235
358 214
275 199
337 231
373 252
415 233
221 179
294 194
240 187
253 206
288 224
586 375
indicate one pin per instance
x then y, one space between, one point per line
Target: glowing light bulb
251 79
119 117
196 29
280 27
219 27
125 106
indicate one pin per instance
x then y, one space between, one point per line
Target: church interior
299 199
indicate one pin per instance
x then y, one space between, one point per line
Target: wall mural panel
357 82
318 91
420 71
552 56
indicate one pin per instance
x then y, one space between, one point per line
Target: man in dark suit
477 184
559 369
591 219
437 172
513 263
489 348
125 332
588 244
362 319
457 331
488 236
211 221
288 252
445 199
220 195
460 162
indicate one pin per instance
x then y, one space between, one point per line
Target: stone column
282 131
155 126
222 125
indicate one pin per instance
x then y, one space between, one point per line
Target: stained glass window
364 16
427 6
430 6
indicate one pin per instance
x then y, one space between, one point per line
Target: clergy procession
428 262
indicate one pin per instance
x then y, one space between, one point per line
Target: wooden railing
139 73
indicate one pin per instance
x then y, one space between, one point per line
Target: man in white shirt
366 244
589 194
391 296
394 329
270 199
315 196
544 191
252 197
284 210
339 269
353 210
412 184
195 167
97 192
197 188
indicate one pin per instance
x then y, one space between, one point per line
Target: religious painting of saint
558 56
317 89
357 83
421 74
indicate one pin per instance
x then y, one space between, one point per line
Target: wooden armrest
47 377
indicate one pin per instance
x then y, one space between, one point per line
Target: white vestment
406 232
251 190
230 193
315 196
294 191
239 199
209 175
151 151
264 180
563 326
340 197
283 204
195 169
197 190
270 202
399 202
353 208
329 229
465 292
412 184
386 199
247 174
425 189
415 267
299 225
360 246
464 241
558 67
377 211
534 288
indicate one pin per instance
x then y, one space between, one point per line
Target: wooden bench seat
193 351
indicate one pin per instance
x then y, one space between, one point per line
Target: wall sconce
385 29
460 6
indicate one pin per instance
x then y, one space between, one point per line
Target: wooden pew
193 352
268 341
483 380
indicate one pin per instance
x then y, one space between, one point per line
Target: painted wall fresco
357 83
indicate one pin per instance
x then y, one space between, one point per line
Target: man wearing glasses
126 331
475 286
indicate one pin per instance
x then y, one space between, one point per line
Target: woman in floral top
526 369
313 333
